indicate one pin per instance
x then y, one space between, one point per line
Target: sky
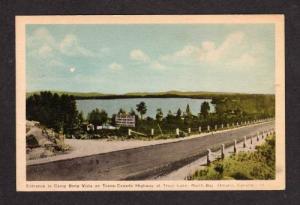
117 59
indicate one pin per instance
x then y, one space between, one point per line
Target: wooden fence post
244 144
251 140
208 128
200 129
222 151
216 127
227 125
234 147
189 130
129 132
152 131
177 131
257 136
208 156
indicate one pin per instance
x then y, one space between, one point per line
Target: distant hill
172 93
79 94
179 93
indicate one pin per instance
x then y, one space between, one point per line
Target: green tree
170 115
97 117
221 106
141 108
122 111
113 120
188 110
53 111
159 114
205 109
80 117
179 113
132 112
70 113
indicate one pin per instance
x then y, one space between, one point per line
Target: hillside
173 93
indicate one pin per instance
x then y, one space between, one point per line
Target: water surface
112 106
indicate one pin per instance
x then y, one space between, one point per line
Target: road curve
138 163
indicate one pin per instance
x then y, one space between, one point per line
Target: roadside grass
242 166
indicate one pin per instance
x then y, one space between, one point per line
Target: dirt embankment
42 142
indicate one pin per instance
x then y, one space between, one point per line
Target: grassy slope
243 166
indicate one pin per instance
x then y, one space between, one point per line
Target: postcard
150 103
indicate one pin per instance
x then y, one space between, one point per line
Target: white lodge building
125 120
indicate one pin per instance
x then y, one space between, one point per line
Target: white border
277 184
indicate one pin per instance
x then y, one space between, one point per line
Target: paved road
138 163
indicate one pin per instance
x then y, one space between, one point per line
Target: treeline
228 110
54 111
254 105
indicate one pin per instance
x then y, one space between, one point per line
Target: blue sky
131 58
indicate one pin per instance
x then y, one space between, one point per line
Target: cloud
72 69
208 45
139 55
115 67
157 65
208 52
70 46
245 59
45 51
233 51
186 52
40 36
42 44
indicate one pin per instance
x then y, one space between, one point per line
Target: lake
112 106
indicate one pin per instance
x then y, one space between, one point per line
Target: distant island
167 94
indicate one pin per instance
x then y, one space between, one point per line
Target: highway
140 163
